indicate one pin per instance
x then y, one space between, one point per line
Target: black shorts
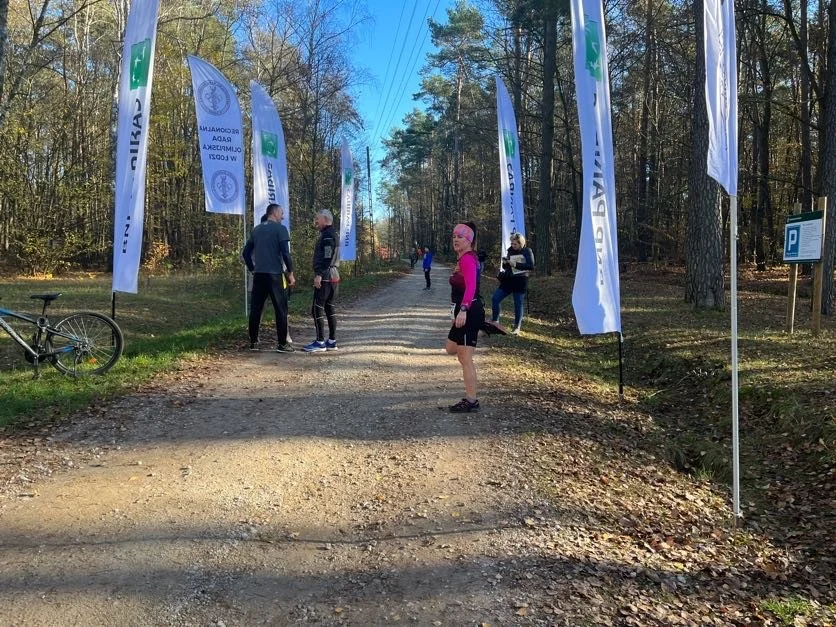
468 334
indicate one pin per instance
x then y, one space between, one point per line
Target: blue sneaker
315 347
331 345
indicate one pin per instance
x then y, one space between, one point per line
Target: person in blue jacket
513 279
428 263
267 255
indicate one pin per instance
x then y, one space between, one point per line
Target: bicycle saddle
47 298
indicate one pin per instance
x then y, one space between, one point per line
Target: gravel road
264 488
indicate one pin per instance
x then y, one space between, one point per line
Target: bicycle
83 343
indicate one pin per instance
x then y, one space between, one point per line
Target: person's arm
469 267
284 249
247 254
528 264
331 252
322 260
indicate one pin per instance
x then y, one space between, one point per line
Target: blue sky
393 49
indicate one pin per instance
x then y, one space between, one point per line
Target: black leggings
323 309
427 276
268 285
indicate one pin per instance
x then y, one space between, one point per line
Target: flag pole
620 367
735 413
244 226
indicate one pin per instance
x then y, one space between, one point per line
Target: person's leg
427 278
465 355
499 295
318 312
278 296
261 288
518 309
330 315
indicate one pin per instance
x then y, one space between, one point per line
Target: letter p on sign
791 245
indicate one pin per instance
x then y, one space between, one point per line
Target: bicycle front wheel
85 343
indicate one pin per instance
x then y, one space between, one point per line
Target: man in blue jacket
428 263
267 255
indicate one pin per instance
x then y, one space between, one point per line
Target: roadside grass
172 318
677 407
787 610
677 366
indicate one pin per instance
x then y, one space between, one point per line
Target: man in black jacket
326 279
267 255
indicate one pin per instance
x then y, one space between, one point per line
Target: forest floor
262 488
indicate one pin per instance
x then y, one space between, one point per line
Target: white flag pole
735 409
720 48
246 304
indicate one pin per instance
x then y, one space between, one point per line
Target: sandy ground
336 489
264 488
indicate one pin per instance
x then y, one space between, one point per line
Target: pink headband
462 230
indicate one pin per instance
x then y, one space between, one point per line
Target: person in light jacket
517 263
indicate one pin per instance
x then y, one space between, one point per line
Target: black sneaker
493 328
285 348
253 346
464 406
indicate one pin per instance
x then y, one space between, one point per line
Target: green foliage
787 610
222 263
47 252
158 259
173 318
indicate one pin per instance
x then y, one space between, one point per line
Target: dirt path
264 488
273 488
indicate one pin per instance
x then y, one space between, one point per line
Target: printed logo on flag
593 51
213 97
269 144
140 63
224 186
510 144
347 176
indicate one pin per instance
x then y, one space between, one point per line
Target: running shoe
464 406
331 345
492 327
516 331
284 348
253 346
315 347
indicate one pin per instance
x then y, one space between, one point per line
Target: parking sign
803 238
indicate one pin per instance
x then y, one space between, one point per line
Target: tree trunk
704 228
544 210
644 235
828 163
4 37
806 146
762 136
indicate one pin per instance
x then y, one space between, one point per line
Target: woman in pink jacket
467 311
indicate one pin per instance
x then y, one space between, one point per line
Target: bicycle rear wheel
85 343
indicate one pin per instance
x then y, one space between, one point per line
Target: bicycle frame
39 322
42 323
